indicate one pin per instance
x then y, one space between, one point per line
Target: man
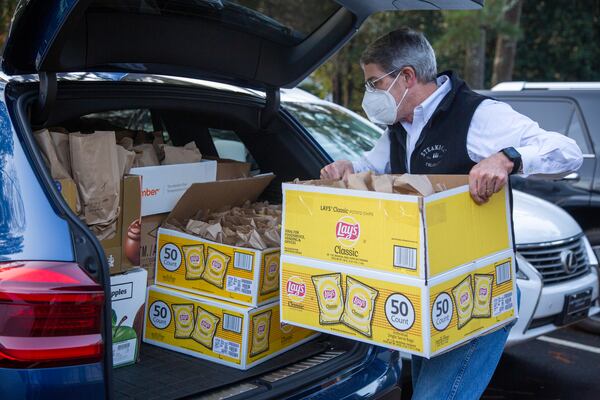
437 125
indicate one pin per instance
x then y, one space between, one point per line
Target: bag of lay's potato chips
261 326
463 298
359 306
483 295
216 267
270 278
194 261
184 320
329 297
205 327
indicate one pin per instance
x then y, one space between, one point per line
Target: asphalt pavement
562 365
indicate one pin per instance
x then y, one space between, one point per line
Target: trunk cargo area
164 374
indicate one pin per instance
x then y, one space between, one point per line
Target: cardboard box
121 250
231 169
407 314
219 331
150 225
128 294
68 190
413 236
131 204
130 211
163 185
249 276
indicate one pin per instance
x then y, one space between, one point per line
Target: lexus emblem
568 260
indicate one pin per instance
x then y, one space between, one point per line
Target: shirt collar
429 105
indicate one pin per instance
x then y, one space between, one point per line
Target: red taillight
50 314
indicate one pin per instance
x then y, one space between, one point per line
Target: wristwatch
515 157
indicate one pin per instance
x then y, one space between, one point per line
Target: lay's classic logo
184 317
464 298
195 259
347 231
296 289
329 294
205 324
359 302
261 329
216 265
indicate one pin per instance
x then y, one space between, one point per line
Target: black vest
442 145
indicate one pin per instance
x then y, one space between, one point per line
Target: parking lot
562 365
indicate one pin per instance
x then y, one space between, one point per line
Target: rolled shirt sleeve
496 126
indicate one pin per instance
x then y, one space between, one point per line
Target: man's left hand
489 176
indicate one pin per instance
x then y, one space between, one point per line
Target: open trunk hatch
258 44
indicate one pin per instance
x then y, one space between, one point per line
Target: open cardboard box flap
445 182
424 185
219 194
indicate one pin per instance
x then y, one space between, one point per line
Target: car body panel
26 220
65 383
552 298
538 221
379 375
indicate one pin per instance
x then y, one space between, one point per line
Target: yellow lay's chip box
219 331
238 274
411 235
407 314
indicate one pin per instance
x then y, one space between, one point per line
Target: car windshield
341 134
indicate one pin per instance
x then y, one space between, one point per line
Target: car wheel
592 324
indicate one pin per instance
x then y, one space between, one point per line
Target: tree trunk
337 84
475 62
506 47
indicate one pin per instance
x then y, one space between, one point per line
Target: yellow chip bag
270 281
483 295
359 306
463 298
184 320
205 327
330 298
261 325
216 267
194 261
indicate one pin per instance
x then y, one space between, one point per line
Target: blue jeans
462 373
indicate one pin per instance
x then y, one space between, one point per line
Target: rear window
560 116
341 134
285 22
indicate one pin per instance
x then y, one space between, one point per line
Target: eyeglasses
370 83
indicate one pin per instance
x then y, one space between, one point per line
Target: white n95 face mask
380 106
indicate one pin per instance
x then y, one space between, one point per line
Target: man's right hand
337 170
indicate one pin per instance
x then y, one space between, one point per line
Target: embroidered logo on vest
433 155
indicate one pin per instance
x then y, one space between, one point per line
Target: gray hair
402 48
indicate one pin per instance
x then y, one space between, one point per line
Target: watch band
515 157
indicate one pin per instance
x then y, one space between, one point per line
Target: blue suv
90 65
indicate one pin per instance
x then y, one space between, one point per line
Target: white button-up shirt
494 126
